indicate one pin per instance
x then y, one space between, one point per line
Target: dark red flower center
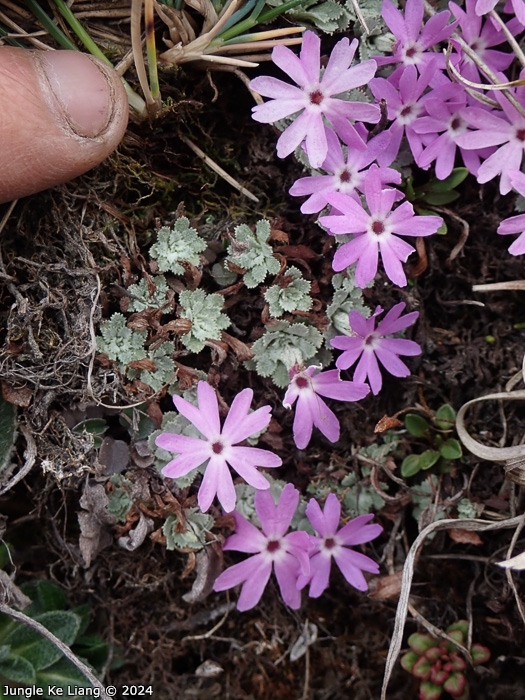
316 97
302 382
345 176
406 111
520 134
456 123
217 447
411 51
378 227
329 543
273 546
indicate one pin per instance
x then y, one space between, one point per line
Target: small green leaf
451 449
410 466
455 684
422 668
438 199
428 458
420 643
17 669
480 654
445 417
408 660
455 178
45 596
33 647
461 626
429 691
64 675
416 425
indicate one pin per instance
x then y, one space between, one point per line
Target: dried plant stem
511 285
510 37
217 168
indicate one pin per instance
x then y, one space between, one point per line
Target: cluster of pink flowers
439 118
297 558
356 185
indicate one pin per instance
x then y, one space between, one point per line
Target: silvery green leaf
283 346
193 536
251 252
165 371
141 298
120 343
180 243
294 296
207 321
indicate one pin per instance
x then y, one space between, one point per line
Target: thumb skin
61 113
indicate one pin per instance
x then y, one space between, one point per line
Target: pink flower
306 387
505 129
219 448
345 173
332 543
286 554
405 99
369 344
314 98
412 41
375 231
515 224
480 36
446 119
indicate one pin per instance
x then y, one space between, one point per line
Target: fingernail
81 93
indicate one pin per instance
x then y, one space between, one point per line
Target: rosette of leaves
444 449
175 245
120 343
125 345
27 658
291 293
145 297
281 347
438 663
188 533
251 254
204 312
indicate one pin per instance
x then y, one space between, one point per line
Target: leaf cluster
443 449
437 662
250 252
26 657
283 346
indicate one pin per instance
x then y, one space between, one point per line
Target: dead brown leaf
464 536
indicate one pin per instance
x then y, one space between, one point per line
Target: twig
217 168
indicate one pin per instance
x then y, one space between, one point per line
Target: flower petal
275 520
357 531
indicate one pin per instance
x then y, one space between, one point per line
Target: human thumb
61 113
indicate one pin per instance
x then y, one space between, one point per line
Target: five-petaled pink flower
332 543
219 447
369 344
306 387
314 98
375 230
286 554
